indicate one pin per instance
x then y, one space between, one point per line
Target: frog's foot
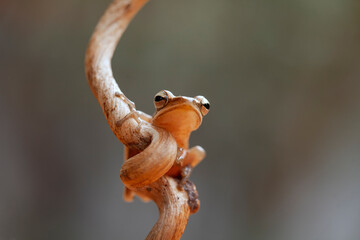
130 103
194 156
180 156
128 195
138 116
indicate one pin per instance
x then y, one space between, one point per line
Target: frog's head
179 115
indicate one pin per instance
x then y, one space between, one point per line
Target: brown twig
144 172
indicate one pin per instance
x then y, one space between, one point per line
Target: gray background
282 136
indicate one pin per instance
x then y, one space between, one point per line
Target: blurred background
282 136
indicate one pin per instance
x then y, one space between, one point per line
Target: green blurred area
282 136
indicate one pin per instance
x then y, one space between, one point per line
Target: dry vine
143 175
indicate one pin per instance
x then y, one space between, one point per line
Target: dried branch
98 67
144 172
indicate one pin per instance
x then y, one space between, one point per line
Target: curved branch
173 207
149 165
144 172
98 70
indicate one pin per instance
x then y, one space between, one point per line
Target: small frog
179 116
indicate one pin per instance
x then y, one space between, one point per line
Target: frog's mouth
180 120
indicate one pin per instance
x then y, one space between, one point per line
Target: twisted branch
99 73
144 172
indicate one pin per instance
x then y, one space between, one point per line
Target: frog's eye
161 99
204 104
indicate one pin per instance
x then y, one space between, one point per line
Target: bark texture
144 172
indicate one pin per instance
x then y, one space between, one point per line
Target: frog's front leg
193 157
138 116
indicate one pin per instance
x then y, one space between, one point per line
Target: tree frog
179 116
